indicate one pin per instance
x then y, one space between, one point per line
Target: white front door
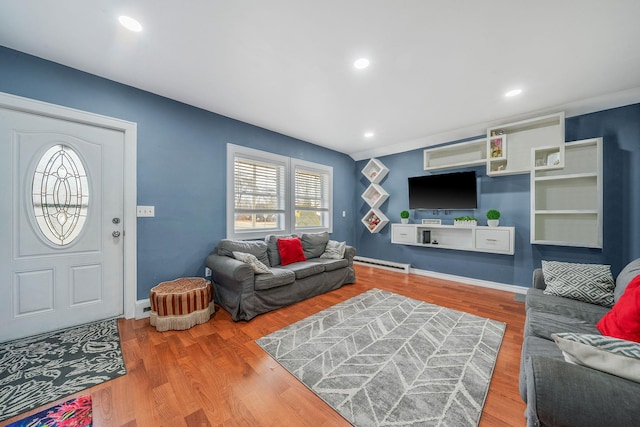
61 223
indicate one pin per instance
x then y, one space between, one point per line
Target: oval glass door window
60 195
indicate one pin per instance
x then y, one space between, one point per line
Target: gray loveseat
245 294
559 393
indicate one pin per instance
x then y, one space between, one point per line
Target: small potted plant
404 217
493 217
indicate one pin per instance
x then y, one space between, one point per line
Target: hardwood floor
215 375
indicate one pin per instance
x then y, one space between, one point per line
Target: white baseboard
141 306
385 265
471 281
370 262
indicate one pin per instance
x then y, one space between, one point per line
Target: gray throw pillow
334 250
611 355
273 254
313 244
592 283
256 248
627 274
258 267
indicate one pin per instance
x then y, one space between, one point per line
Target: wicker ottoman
181 304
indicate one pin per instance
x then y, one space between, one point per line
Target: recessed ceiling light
130 24
513 92
369 134
361 63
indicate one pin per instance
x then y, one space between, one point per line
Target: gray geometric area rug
44 368
382 359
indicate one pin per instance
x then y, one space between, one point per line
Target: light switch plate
146 211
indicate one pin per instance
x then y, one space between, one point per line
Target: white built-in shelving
469 153
566 202
375 195
374 220
509 146
498 240
375 171
566 178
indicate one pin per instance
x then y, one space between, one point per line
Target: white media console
499 240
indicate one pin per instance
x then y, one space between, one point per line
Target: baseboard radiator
380 263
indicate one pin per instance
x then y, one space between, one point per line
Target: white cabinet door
493 240
403 233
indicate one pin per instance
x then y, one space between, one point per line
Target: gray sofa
559 393
245 294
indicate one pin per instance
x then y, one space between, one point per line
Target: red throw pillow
623 321
290 250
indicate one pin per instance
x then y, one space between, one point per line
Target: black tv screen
443 191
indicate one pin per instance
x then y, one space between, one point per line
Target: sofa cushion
290 250
313 244
272 248
543 325
611 355
277 277
305 269
258 267
537 300
623 321
332 264
627 274
592 283
256 248
334 250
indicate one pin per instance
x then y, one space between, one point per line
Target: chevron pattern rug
382 359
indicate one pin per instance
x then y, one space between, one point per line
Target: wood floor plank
215 375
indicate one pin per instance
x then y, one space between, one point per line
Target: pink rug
72 413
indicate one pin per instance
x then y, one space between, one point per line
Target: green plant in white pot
493 217
404 217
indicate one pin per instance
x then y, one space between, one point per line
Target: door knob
116 233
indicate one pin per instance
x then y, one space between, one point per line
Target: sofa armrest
349 253
229 270
564 394
538 279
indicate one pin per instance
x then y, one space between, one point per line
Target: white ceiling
438 71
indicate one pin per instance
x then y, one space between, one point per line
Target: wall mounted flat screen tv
444 191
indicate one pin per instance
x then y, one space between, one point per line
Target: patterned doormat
38 370
384 359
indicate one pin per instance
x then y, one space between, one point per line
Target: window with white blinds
273 194
312 196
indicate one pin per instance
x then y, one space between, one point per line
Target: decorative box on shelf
498 146
375 171
547 158
464 222
374 220
375 195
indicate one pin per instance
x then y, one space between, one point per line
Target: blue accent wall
620 129
181 162
182 172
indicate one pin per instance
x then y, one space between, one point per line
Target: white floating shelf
374 220
375 195
375 171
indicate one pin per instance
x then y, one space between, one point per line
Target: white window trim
290 165
311 167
